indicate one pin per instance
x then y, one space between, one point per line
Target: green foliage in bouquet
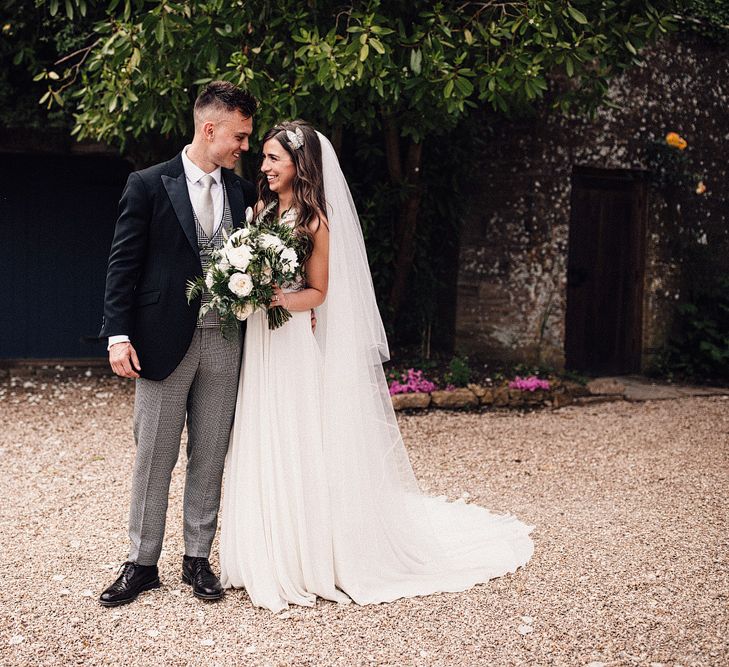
243 273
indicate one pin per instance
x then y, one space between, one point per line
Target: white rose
249 215
240 284
270 241
243 312
209 279
239 257
289 258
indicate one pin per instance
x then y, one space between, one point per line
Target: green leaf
53 7
448 89
630 47
569 66
577 15
364 52
416 60
464 86
136 58
377 45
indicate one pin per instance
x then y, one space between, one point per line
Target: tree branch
392 149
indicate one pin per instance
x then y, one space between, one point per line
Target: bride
320 499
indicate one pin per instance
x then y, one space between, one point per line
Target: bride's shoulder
318 222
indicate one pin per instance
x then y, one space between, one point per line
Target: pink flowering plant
531 383
411 382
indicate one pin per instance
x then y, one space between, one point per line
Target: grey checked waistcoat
206 246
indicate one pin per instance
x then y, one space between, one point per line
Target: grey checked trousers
202 388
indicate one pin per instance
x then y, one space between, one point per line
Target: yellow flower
676 140
700 188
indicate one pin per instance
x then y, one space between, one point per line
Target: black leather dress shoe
196 572
133 579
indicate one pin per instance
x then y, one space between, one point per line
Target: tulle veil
391 539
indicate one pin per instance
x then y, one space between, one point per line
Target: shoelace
199 565
124 573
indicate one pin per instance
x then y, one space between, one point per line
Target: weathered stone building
571 253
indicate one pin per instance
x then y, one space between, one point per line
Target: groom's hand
123 360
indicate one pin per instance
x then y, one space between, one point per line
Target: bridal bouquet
242 273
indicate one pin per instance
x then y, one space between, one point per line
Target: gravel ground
630 567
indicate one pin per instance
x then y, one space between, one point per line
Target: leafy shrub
700 348
459 372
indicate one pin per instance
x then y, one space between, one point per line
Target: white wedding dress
319 496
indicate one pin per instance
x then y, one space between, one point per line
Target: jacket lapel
235 198
176 186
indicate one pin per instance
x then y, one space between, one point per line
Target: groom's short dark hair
225 95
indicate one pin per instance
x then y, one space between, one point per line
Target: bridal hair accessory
296 139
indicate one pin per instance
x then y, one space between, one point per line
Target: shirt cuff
113 340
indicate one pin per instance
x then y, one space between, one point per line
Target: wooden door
605 270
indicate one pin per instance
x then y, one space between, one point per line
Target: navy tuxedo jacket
153 255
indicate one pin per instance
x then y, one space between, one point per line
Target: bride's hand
279 297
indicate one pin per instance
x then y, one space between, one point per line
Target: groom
171 217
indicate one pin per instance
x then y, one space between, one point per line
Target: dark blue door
57 216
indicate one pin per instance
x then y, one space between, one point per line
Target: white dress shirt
193 174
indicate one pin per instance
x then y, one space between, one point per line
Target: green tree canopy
396 74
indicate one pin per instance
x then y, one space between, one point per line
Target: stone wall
512 271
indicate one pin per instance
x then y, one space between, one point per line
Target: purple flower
532 383
411 382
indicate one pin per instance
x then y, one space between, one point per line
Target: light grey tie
206 215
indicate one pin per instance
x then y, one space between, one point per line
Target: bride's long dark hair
308 184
